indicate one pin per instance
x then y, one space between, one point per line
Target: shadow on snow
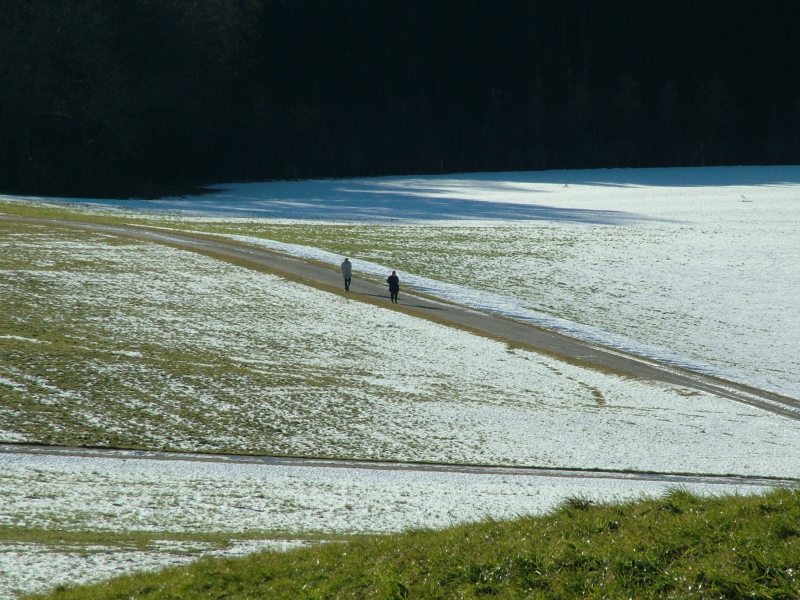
516 196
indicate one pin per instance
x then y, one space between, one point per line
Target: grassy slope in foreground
679 546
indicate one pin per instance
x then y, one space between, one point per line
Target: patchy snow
11 383
20 338
697 267
175 349
518 309
108 494
29 568
693 266
674 266
181 496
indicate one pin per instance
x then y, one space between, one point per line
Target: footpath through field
306 462
327 277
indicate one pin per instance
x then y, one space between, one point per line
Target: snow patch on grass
102 494
35 568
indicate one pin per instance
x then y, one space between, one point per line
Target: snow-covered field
130 344
674 263
695 266
176 496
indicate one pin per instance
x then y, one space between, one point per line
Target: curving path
327 277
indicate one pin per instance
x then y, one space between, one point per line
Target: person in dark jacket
347 273
394 285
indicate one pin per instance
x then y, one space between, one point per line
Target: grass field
679 546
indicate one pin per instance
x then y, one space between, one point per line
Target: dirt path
303 462
327 277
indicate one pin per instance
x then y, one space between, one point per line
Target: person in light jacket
394 285
347 273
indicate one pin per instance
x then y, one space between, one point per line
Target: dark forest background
152 96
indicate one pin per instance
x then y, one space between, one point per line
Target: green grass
141 540
113 342
678 546
455 254
41 210
94 362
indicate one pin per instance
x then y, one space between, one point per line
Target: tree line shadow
514 196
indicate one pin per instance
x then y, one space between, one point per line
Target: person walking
394 285
347 273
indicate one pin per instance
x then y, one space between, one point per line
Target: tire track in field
377 465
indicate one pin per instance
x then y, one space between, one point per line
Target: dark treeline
148 96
